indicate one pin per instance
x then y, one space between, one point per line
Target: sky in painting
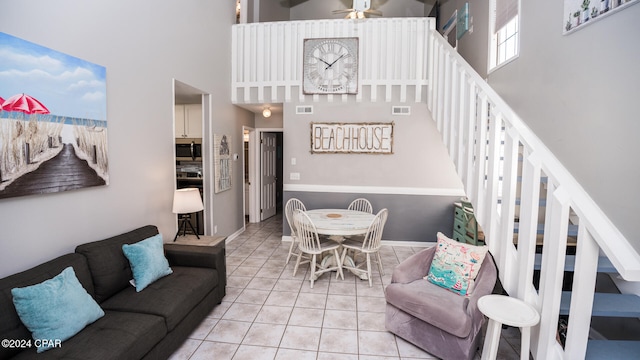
66 85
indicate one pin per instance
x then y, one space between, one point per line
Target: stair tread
604 264
572 230
603 349
607 304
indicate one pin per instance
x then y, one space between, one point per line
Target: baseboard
235 235
408 243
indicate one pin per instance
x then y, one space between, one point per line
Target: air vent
401 110
304 110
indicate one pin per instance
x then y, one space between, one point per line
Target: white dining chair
361 204
311 244
292 205
369 246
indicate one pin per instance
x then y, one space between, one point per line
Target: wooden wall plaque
354 138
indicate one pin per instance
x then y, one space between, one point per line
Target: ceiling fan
359 10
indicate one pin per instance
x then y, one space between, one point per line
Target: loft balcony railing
267 59
523 197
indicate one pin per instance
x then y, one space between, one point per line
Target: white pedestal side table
510 311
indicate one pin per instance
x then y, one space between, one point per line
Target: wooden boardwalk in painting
63 172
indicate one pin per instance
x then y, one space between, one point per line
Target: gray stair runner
607 304
612 349
604 264
604 305
572 231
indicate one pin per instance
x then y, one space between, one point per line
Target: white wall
275 121
143 45
419 158
578 93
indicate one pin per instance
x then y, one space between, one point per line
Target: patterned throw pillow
455 265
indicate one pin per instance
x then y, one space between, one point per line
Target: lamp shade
187 201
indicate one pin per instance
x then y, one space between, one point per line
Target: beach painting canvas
53 123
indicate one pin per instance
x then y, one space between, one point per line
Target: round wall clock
330 66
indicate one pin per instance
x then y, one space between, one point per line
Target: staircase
532 211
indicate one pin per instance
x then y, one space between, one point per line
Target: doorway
264 159
191 107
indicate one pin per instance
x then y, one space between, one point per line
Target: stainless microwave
189 149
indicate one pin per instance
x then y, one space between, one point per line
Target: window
505 32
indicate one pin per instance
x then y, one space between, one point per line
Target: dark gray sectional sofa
150 324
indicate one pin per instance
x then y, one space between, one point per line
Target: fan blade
342 11
373 12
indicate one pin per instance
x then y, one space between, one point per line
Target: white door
268 174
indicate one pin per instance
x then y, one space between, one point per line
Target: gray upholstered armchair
437 320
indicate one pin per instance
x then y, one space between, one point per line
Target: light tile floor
269 314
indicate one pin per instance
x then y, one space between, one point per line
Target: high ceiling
185 94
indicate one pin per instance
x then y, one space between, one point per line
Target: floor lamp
186 202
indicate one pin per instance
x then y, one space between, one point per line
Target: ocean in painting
67 120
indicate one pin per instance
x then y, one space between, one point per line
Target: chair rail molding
389 190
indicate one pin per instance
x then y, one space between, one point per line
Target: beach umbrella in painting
24 103
1 102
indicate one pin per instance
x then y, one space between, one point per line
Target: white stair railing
498 159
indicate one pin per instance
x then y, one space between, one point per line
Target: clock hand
322 60
335 61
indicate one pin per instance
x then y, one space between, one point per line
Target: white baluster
582 293
508 209
552 270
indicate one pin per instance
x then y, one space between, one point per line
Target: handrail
492 149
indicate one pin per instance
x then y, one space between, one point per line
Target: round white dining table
338 223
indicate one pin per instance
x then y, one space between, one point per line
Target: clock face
330 66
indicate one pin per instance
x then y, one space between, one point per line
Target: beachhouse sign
359 138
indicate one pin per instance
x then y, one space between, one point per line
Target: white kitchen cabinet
188 121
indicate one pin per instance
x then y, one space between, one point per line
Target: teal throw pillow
147 261
55 309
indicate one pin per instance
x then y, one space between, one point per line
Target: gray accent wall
578 93
414 218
